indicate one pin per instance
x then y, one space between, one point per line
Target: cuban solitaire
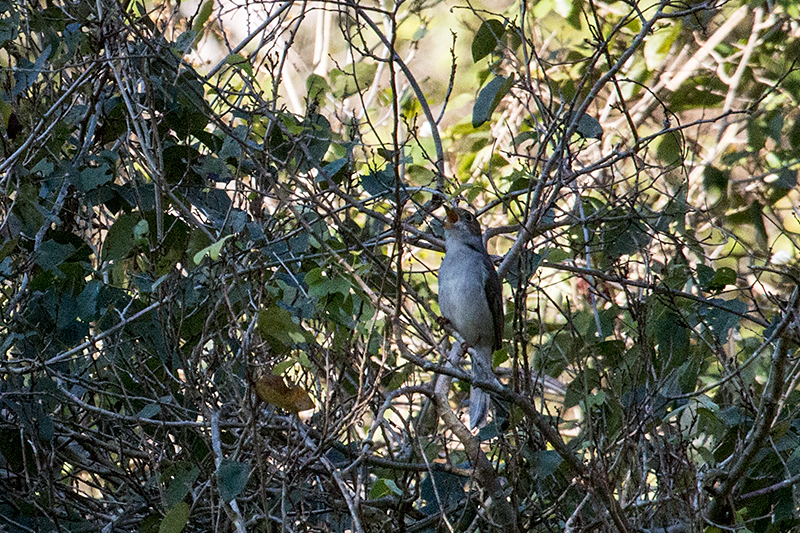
471 298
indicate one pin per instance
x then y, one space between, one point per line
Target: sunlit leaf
175 519
201 18
317 87
213 251
659 43
241 62
384 487
670 149
275 324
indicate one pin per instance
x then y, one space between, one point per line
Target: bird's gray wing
494 295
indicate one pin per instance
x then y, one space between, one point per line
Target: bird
471 299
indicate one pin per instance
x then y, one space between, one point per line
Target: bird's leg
465 346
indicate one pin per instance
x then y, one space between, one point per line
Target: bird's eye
468 217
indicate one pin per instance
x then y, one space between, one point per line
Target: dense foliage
216 216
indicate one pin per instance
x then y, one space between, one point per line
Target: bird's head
461 222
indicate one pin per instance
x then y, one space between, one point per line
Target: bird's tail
479 399
478 407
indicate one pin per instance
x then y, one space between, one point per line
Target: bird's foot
442 321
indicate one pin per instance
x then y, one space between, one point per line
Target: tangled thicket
195 250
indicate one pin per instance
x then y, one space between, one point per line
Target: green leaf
722 319
317 88
449 489
578 387
611 351
677 274
595 400
276 325
51 254
149 411
317 136
179 162
489 98
175 519
624 237
183 44
756 215
119 240
545 462
715 182
671 336
87 300
780 187
150 523
27 72
44 167
343 84
704 274
380 182
214 169
794 134
589 127
9 24
319 286
670 149
787 179
519 184
715 281
523 268
334 171
756 135
556 255
240 61
488 432
179 480
281 368
526 136
687 375
15 449
775 127
232 478
487 38
93 177
46 426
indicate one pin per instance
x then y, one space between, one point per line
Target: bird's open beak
452 217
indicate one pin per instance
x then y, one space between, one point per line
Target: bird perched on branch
471 298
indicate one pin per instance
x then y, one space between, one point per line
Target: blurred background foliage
220 239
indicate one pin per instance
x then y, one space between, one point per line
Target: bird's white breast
462 294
